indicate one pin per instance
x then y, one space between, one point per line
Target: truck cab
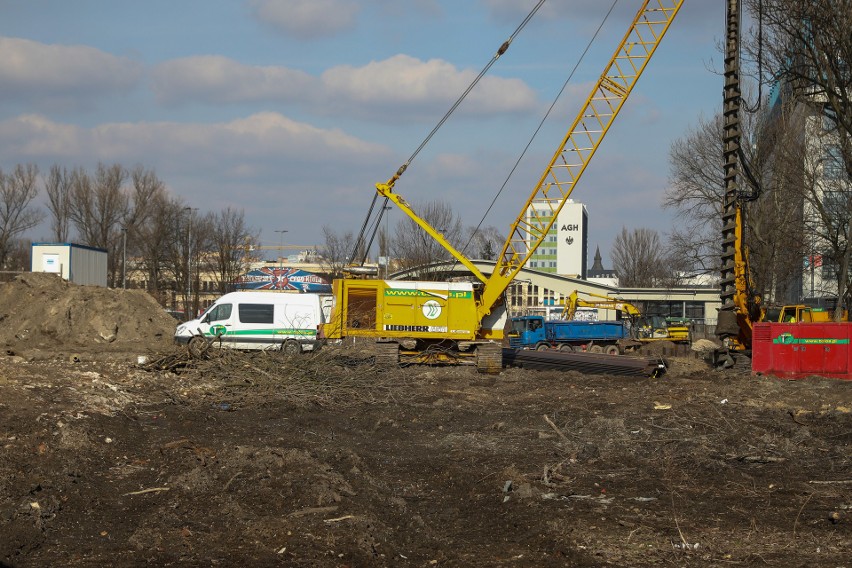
801 313
527 331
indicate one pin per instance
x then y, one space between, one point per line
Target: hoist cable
539 127
502 49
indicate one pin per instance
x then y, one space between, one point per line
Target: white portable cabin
76 263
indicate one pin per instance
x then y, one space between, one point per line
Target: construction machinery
441 322
801 313
643 328
539 334
742 306
574 301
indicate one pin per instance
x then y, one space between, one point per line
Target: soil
323 460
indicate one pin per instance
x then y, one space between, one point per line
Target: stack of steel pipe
587 363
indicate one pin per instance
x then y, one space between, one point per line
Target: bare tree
146 189
412 247
695 192
58 186
638 258
232 240
335 251
17 215
19 258
484 242
807 49
156 243
772 222
99 204
98 209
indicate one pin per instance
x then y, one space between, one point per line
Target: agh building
564 250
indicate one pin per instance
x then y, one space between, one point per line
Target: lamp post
189 261
281 245
124 258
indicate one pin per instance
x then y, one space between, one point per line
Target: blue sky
292 110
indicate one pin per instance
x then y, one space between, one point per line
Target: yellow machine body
408 309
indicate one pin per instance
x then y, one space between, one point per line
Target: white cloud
307 19
217 79
378 90
244 144
406 82
30 70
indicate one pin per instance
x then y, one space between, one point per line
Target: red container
796 350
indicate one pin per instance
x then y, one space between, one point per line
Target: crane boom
603 104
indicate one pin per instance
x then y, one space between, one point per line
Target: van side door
217 321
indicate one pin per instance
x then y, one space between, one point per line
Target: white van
255 320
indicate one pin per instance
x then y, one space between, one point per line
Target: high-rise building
564 250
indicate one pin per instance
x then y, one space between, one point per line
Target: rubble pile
43 311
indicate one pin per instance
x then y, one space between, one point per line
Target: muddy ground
325 461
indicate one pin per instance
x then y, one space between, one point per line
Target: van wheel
197 347
291 347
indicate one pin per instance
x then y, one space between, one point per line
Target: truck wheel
566 347
291 347
611 350
596 349
542 347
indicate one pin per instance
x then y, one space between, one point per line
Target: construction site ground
324 460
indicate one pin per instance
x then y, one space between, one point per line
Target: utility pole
281 246
189 262
124 257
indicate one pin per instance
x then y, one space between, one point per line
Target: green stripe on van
266 332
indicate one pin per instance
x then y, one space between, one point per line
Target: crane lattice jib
579 145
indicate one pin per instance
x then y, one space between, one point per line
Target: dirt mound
42 311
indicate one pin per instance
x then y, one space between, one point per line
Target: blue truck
534 332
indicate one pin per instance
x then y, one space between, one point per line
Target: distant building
597 273
79 264
564 249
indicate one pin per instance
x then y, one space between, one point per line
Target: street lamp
189 261
281 245
124 257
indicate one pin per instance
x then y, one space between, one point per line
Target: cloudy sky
292 110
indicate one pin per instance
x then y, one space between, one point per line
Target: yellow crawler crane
433 322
